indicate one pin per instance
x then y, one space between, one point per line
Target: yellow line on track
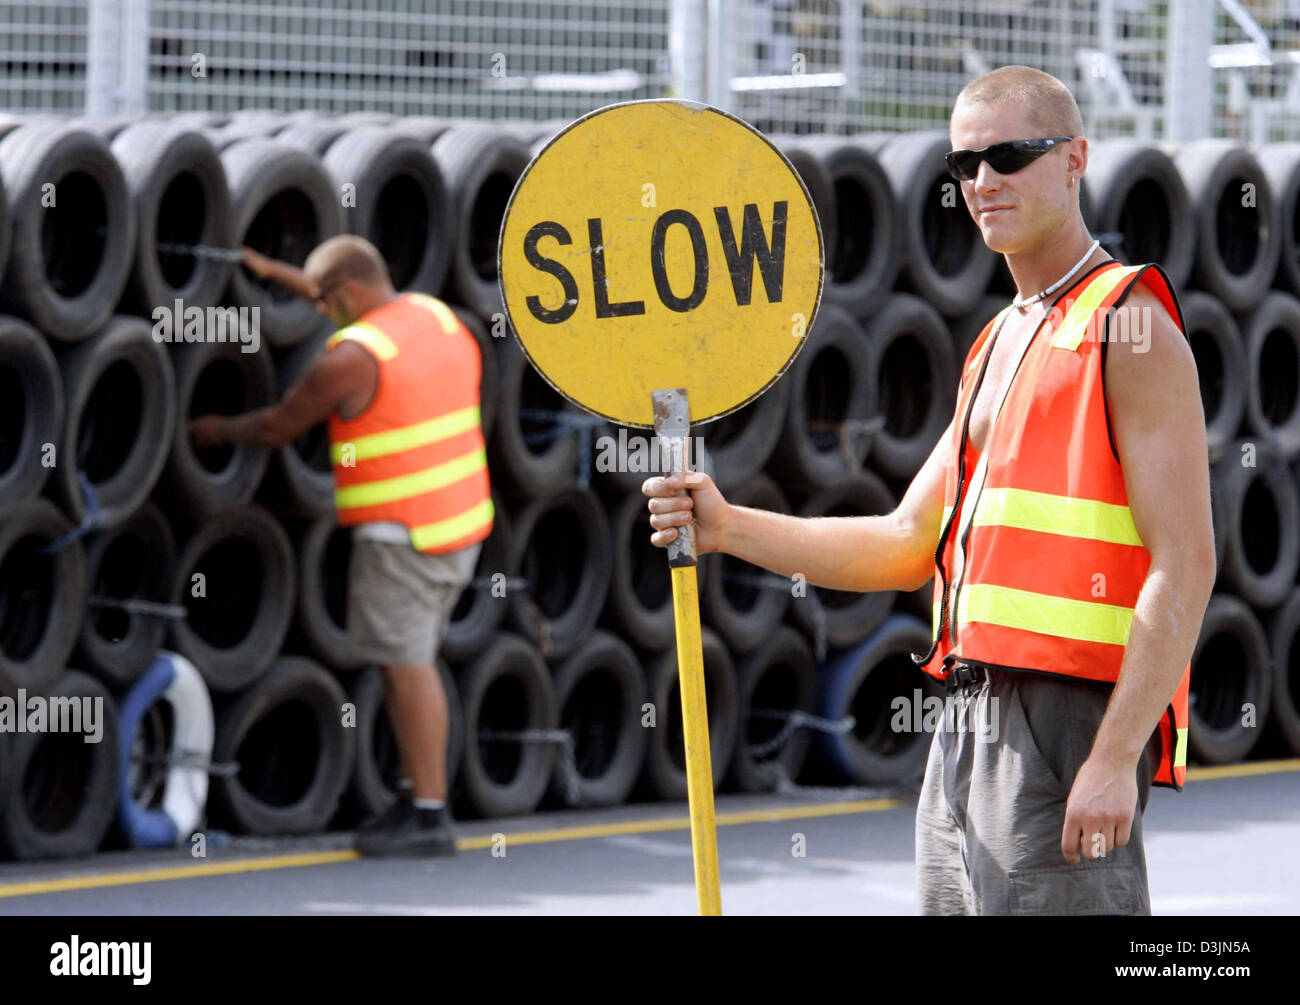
1242 770
175 872
291 861
297 860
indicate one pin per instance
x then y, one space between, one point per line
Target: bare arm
1159 428
339 373
289 276
894 551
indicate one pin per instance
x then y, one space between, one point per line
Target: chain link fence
1153 70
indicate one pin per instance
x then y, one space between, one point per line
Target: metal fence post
1189 84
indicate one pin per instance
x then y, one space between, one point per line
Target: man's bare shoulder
1149 363
1149 336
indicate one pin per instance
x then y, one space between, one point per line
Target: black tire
1281 164
562 548
599 691
62 275
966 328
179 195
506 689
62 790
865 682
480 610
733 600
851 617
377 766
1284 651
133 561
489 386
323 551
300 478
664 772
401 203
945 259
738 445
215 377
283 204
917 383
1237 245
234 630
425 128
639 605
1220 354
1262 510
107 127
199 120
525 459
826 434
1138 192
817 180
42 597
294 754
780 678
314 135
31 413
863 262
120 405
1230 670
1272 348
481 167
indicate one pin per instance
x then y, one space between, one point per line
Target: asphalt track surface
1223 846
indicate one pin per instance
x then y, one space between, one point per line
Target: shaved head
347 257
1048 104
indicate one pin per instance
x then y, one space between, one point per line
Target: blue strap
561 423
92 520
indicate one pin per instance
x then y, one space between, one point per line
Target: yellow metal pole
672 425
695 727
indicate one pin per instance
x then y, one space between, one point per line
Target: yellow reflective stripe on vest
414 484
419 434
430 535
443 313
1079 316
369 336
934 618
1180 749
1053 514
1040 612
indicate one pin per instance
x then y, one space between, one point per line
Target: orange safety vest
416 455
1053 563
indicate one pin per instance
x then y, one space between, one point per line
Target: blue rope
92 520
561 424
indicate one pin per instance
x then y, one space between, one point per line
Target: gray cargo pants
992 806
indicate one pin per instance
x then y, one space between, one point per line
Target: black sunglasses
1004 158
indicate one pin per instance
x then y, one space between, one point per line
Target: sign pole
651 249
672 425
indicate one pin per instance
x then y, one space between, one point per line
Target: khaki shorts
992 806
400 600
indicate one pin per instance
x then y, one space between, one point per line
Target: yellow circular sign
660 244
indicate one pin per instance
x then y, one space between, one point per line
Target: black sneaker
404 830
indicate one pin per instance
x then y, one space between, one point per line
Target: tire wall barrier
171 579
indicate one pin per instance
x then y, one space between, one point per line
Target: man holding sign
1065 518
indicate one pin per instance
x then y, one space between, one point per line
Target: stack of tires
197 597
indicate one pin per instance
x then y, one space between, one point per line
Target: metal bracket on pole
672 427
